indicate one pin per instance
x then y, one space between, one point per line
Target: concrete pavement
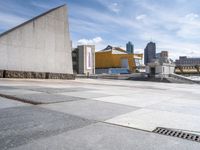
96 114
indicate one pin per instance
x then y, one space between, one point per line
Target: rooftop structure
161 67
162 54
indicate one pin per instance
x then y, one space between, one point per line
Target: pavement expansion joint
125 126
25 100
19 99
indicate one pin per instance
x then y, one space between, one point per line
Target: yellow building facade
116 58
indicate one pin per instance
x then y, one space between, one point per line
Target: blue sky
174 25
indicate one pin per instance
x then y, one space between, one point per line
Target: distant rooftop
115 50
185 57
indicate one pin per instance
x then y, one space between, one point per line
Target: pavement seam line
19 99
33 102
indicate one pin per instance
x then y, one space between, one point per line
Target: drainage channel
177 133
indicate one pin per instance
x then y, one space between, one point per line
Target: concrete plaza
96 114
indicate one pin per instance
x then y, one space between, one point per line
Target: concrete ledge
34 75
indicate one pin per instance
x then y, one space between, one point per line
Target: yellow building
114 57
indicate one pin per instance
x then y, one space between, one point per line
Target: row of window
188 62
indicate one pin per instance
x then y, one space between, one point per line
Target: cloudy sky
173 24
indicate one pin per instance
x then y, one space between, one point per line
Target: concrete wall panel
40 45
3 55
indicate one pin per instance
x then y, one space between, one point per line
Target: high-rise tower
149 52
130 47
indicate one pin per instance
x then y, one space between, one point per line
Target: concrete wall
159 70
40 45
165 69
83 59
168 69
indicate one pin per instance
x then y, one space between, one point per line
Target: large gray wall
40 45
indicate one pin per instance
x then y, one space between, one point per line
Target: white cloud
97 41
192 16
114 7
138 51
171 30
167 27
189 32
141 17
94 41
189 26
174 45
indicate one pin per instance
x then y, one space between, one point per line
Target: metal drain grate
177 133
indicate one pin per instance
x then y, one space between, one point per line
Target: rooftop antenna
151 39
